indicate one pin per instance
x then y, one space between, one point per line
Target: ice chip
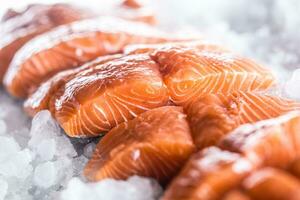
46 149
8 148
135 188
17 165
45 124
45 175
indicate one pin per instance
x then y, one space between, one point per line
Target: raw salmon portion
272 184
17 28
190 73
215 115
40 99
95 101
208 175
70 46
155 144
274 142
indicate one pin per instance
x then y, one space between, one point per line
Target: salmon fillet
97 100
70 46
190 73
154 144
274 142
274 184
208 175
40 99
215 115
17 28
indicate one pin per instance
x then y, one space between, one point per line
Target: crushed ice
38 161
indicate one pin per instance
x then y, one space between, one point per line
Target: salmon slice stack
245 164
97 100
17 28
215 115
274 184
155 144
70 46
208 175
190 73
40 99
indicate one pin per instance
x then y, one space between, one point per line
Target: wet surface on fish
274 184
213 173
190 73
208 175
215 115
97 100
155 144
40 99
17 28
70 46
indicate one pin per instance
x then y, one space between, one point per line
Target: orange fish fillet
274 142
40 99
17 28
95 101
272 184
208 175
190 73
70 46
215 115
155 144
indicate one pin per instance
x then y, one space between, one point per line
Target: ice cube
135 188
46 149
65 147
3 127
3 188
17 165
8 147
45 175
64 170
43 125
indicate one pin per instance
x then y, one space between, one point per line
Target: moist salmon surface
70 46
155 144
96 101
260 160
16 30
215 115
191 73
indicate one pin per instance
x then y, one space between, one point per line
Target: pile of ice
40 161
